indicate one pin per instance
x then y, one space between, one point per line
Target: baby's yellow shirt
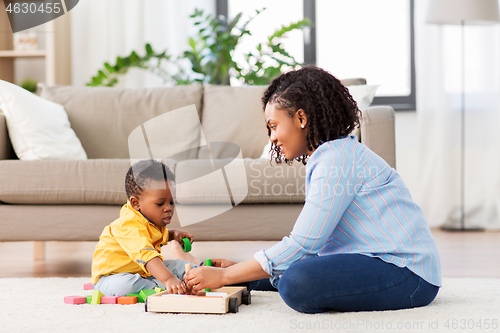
127 244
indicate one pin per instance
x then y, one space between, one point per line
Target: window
372 39
276 14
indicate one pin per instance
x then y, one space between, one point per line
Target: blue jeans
349 282
122 284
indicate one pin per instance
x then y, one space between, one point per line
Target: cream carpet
36 305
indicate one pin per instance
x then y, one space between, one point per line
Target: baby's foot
179 254
176 248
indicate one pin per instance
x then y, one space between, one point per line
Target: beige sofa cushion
266 183
233 114
378 132
98 181
103 117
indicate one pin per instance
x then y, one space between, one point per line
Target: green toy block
96 297
159 290
144 294
89 299
186 244
208 262
136 295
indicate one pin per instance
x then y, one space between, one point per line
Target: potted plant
210 56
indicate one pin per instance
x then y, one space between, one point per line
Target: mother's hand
201 278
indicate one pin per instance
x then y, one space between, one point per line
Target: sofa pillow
353 81
103 117
234 115
363 94
175 134
39 129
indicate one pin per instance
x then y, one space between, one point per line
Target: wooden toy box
200 303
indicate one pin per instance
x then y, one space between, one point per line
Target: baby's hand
224 263
178 235
175 286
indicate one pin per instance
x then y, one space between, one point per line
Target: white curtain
438 62
101 30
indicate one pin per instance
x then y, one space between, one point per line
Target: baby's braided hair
331 111
143 173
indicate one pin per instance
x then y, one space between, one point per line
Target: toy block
159 290
144 294
137 295
127 300
96 297
186 244
208 262
88 286
89 299
109 299
75 300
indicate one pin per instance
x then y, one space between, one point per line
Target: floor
463 254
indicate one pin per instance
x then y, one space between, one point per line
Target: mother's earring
302 126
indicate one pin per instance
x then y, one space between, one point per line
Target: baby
127 258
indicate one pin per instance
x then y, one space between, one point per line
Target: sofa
72 200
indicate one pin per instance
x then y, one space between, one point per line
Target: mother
360 243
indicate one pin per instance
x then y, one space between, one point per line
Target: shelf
22 54
55 55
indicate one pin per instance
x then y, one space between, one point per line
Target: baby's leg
122 284
179 254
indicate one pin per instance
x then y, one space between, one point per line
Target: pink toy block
75 299
88 286
109 299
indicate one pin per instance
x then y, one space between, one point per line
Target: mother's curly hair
331 111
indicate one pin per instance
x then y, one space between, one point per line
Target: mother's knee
292 288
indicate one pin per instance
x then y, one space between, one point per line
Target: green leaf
134 58
235 21
293 26
192 43
126 62
197 13
149 49
119 63
110 68
102 75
